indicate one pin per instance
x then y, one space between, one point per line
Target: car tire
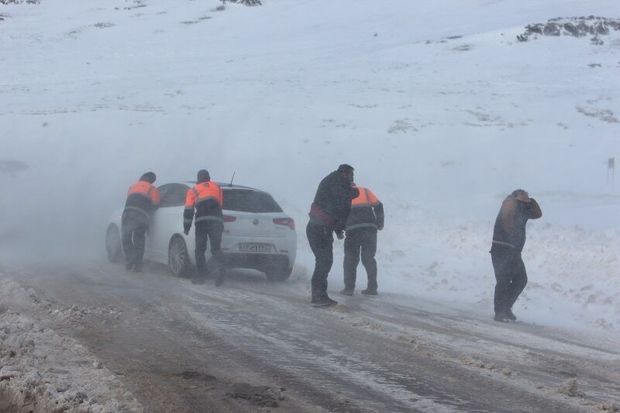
178 257
113 246
279 273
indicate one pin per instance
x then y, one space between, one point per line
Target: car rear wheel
113 245
278 273
178 258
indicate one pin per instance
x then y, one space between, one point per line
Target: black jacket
509 230
366 211
332 202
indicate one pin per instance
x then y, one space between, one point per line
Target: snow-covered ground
438 106
44 371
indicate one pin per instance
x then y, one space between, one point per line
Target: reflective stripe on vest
140 210
362 225
209 218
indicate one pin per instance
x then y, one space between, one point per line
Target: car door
167 220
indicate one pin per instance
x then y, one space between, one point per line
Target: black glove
380 223
186 230
339 234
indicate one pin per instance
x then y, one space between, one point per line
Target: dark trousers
134 227
510 275
210 231
321 241
360 241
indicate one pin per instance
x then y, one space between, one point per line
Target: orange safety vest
362 210
145 189
365 199
203 192
142 197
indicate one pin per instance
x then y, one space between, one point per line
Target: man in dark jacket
142 200
508 242
328 214
206 199
365 219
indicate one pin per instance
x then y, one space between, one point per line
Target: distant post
611 172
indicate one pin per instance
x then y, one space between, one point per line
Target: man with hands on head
508 242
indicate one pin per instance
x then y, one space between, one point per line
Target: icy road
252 345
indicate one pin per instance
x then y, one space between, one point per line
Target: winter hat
149 177
521 195
203 176
345 168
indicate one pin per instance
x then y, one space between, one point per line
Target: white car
257 234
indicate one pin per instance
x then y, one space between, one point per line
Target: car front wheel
178 258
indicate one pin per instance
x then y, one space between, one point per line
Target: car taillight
228 218
289 222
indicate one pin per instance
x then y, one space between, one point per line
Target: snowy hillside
438 106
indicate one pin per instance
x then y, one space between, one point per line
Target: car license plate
254 247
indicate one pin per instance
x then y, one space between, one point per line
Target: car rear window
172 195
244 200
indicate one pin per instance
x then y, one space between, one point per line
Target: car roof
223 185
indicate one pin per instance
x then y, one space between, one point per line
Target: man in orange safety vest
203 205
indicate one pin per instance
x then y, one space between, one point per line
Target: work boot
323 301
129 266
329 300
501 317
510 315
198 279
315 301
369 292
347 291
320 302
